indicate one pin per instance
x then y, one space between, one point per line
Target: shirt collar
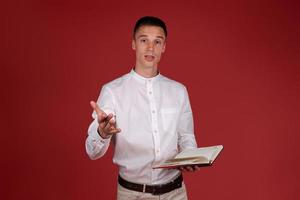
143 79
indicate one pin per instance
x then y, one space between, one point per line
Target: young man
149 119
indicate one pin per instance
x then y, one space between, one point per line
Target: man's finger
189 168
96 108
183 169
109 118
114 131
111 122
106 120
100 113
102 124
109 129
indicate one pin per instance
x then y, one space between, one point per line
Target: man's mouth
149 58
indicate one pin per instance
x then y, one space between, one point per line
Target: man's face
149 43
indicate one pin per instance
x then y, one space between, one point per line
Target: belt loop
144 188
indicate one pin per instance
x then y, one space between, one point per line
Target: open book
201 157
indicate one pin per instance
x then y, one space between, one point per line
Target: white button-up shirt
156 122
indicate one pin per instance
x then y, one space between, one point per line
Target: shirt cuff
97 137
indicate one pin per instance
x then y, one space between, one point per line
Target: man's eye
157 42
143 40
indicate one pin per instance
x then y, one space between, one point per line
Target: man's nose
150 46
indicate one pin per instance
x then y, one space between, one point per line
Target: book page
208 152
198 159
184 162
201 156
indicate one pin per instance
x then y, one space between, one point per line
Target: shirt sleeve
95 145
186 137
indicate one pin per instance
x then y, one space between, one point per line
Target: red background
238 59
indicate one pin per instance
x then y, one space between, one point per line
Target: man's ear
133 44
164 48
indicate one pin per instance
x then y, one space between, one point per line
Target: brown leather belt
153 189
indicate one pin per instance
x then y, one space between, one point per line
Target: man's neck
146 72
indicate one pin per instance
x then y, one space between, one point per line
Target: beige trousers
177 194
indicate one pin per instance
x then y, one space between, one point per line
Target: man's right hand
107 125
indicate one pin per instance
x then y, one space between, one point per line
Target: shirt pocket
169 119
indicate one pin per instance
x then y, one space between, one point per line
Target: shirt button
155 131
153 111
150 92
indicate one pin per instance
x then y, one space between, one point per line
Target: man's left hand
189 168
